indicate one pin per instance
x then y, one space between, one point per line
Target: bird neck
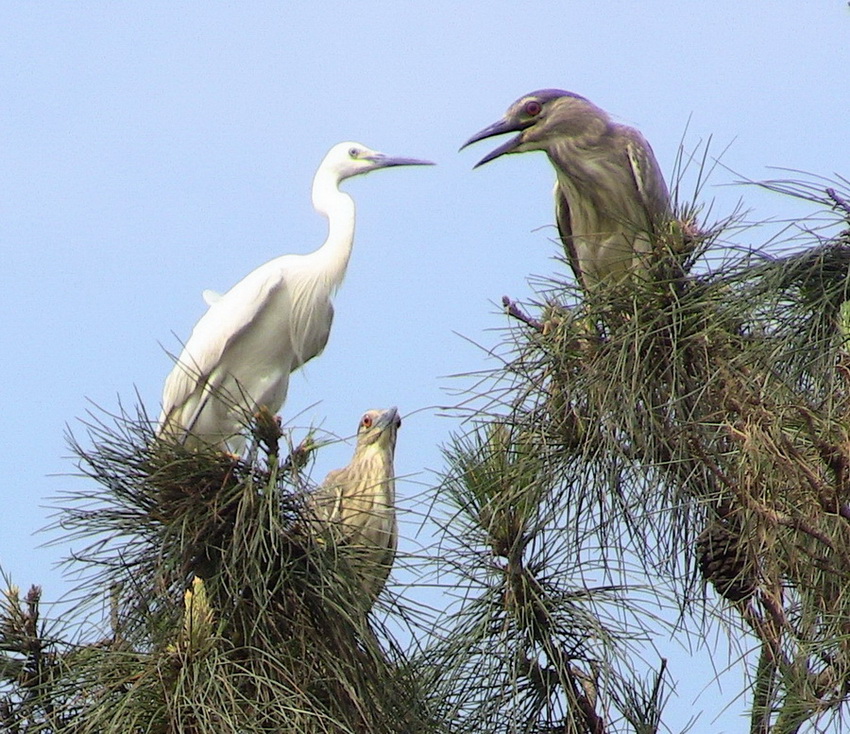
338 207
375 460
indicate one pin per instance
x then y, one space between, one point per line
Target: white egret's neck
338 207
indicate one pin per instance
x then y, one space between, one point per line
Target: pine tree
664 455
686 433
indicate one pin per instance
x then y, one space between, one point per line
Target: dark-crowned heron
610 195
356 505
241 352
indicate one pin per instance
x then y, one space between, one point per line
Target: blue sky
151 150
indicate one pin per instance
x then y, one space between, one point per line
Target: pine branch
840 201
705 400
214 579
516 312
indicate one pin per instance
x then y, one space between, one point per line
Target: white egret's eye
367 419
354 152
533 108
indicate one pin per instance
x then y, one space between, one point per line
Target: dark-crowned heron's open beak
497 128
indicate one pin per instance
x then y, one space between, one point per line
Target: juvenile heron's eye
533 108
354 152
367 421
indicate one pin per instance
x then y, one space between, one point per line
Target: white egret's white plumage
356 504
278 317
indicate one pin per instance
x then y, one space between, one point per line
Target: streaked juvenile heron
356 505
278 317
610 194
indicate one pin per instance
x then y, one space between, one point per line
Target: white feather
278 317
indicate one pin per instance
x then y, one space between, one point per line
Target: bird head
349 159
378 427
540 118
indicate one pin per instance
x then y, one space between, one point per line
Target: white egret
278 317
610 194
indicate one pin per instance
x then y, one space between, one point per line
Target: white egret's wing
311 315
279 316
222 324
211 297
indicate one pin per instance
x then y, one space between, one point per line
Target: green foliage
226 616
693 422
543 631
649 458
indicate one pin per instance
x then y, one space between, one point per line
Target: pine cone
723 557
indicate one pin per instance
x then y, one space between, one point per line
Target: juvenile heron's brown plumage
356 504
610 195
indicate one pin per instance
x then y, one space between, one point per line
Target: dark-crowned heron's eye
533 108
367 421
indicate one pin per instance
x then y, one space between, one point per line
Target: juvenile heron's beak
501 127
388 418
